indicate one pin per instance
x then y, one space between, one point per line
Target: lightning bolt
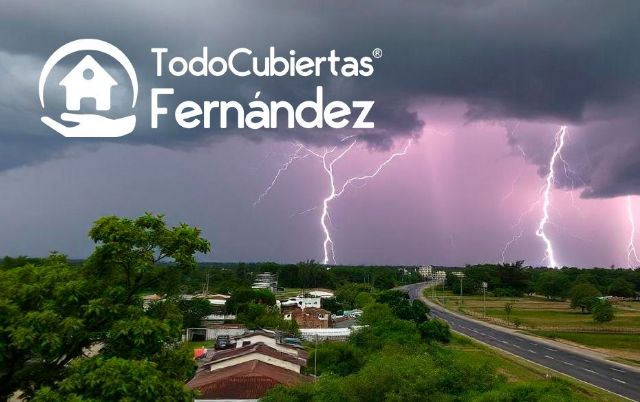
329 157
519 231
328 244
292 158
546 197
517 227
631 248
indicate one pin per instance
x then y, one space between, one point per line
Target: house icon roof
76 75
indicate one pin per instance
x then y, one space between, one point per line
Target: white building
426 271
302 302
266 280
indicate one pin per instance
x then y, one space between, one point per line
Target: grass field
287 293
542 314
516 369
556 319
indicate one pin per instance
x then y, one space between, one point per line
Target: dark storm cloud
563 61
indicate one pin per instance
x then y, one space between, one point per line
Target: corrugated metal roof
243 381
258 347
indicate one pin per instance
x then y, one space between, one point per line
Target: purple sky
481 87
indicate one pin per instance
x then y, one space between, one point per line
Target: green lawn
630 342
556 319
198 345
542 314
563 318
516 369
287 293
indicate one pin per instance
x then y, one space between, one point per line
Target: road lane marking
549 357
567 363
591 371
617 369
534 352
620 381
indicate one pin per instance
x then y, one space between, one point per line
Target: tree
435 330
622 288
331 304
115 379
553 284
242 297
347 293
336 357
508 308
194 310
583 296
402 306
603 312
143 253
52 313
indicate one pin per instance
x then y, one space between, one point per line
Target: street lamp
484 298
460 275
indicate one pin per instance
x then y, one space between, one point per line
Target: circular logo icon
88 79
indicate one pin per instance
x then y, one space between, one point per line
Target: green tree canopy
53 314
622 288
603 312
553 284
583 296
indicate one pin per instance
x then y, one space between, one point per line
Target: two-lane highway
616 378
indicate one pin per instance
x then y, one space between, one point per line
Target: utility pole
484 298
315 362
461 289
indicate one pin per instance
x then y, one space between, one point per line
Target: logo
89 80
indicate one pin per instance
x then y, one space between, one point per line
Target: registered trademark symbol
377 53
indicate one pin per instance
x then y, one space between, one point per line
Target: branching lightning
546 194
292 158
328 245
632 255
329 157
517 227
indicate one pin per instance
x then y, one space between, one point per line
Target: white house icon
88 80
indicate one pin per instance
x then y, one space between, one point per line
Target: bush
435 330
338 358
532 392
603 312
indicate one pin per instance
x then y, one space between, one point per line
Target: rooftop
249 380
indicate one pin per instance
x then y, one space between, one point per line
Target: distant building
309 317
148 300
440 276
270 339
217 299
217 318
425 271
266 280
302 302
327 334
321 293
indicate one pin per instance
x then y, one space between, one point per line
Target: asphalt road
612 377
